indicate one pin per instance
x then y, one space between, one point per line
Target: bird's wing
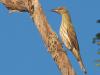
72 37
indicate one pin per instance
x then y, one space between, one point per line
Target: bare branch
49 36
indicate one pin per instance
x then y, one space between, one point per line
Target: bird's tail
82 66
78 57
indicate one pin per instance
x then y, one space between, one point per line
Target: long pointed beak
54 10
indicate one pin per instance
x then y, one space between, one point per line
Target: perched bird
68 35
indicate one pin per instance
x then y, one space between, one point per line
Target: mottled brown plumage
68 35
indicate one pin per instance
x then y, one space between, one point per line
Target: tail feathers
82 67
78 57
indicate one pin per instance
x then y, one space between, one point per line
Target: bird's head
60 10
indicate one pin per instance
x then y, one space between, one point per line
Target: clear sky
22 51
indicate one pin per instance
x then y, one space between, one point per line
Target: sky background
22 51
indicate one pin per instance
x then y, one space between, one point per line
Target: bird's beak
54 10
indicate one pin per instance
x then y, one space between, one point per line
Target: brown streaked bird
68 35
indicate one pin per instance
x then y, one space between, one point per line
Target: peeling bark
50 38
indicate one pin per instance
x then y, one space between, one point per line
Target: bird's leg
61 42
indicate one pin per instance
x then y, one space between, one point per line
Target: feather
72 37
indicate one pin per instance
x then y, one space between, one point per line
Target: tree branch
50 38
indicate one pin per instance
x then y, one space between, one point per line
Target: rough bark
50 38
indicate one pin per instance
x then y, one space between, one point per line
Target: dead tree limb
50 38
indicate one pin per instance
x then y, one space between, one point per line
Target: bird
68 35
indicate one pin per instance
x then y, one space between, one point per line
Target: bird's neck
66 17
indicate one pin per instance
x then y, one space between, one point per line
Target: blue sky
22 51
